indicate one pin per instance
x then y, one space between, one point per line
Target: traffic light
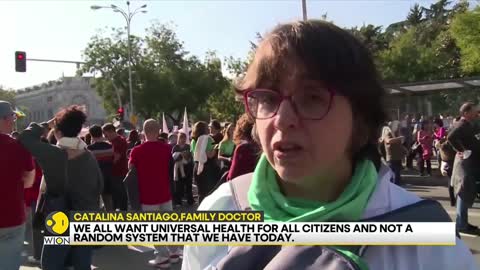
120 114
20 61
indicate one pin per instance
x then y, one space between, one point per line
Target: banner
233 228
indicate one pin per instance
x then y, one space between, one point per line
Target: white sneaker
160 262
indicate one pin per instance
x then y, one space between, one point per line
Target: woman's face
299 149
230 131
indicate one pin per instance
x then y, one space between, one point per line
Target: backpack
315 257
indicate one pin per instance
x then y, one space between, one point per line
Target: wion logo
56 224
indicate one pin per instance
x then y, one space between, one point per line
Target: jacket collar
380 201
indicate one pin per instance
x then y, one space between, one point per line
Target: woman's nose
287 116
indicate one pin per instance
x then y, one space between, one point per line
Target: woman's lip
286 155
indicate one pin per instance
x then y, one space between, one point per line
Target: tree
372 36
7 95
227 105
465 29
165 77
415 16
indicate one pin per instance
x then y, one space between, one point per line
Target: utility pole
304 8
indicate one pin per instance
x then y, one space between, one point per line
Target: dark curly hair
70 120
243 129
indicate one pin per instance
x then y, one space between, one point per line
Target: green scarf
264 195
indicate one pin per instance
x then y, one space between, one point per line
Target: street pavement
435 187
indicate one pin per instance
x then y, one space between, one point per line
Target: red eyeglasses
309 105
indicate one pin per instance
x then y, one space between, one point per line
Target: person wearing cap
465 140
18 172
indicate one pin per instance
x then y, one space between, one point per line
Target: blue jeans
56 257
11 246
462 214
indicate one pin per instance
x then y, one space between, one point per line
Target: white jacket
386 197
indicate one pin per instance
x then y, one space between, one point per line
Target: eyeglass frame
247 91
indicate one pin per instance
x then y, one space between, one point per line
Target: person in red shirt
119 167
246 152
18 172
153 161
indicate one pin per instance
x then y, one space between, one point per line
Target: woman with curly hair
72 179
246 152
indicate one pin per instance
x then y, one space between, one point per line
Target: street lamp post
127 15
304 9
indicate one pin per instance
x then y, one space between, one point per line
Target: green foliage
165 78
7 95
465 29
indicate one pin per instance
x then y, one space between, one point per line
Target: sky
61 29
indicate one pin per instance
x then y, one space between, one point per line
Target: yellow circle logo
57 223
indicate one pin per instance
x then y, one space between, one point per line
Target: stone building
43 101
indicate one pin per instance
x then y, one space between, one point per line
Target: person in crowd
119 168
447 156
163 137
226 148
121 132
406 131
314 93
152 161
103 152
425 139
133 139
34 234
88 139
18 172
51 137
70 171
395 152
172 139
183 170
44 137
465 139
246 151
203 156
439 131
216 131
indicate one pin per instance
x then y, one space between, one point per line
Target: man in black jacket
465 139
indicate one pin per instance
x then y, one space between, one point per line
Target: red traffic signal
120 114
20 61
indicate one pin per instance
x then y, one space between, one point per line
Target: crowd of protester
110 169
452 142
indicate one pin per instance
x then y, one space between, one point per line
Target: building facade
42 102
